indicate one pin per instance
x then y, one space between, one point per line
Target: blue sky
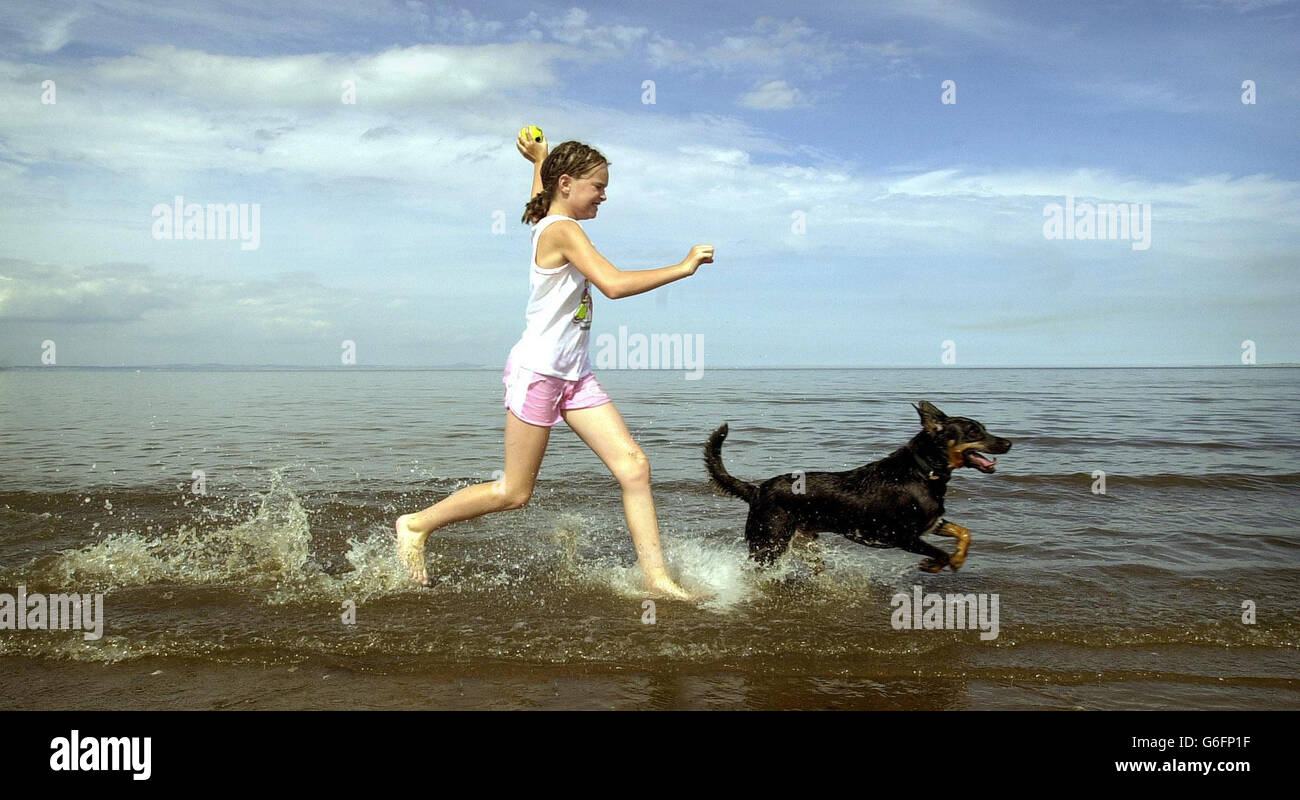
392 222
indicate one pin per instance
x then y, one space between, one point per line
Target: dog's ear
932 418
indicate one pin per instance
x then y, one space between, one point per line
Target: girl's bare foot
666 587
410 549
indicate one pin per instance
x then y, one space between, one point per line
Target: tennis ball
534 133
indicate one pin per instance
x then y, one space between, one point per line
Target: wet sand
165 684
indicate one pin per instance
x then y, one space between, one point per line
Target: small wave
23 526
1284 634
1027 440
1224 481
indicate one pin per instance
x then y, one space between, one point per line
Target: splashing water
268 554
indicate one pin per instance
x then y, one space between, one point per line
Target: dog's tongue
980 460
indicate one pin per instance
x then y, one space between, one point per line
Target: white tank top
557 322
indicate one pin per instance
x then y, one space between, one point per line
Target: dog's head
963 440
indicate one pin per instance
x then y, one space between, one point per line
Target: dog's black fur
887 503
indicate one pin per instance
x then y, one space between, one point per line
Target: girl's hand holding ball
531 144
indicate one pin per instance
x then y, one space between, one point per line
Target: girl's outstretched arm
612 281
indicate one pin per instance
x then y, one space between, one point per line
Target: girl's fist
700 254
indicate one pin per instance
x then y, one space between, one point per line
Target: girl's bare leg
604 431
525 446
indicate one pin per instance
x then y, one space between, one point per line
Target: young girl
548 373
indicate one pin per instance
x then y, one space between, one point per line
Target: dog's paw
956 562
932 566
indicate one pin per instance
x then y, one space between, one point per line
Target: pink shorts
538 399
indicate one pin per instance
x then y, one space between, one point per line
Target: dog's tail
721 478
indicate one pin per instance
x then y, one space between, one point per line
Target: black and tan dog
892 502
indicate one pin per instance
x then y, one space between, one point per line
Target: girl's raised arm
535 152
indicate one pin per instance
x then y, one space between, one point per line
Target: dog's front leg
962 535
938 559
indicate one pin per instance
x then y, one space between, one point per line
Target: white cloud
773 95
1112 91
966 18
401 77
726 156
1208 199
459 22
167 303
58 292
167 112
770 46
571 27
54 34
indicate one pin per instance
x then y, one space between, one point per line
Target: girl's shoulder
548 222
553 218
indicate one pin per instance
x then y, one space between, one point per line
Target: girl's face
588 192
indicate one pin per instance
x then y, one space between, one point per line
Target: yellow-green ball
535 133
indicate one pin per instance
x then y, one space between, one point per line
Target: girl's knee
510 496
634 470
517 500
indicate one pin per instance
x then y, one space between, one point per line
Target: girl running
548 375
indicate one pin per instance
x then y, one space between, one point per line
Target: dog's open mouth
979 461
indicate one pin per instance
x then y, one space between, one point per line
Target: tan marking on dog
962 535
957 452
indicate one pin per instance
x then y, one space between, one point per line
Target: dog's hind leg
962 535
937 560
768 534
